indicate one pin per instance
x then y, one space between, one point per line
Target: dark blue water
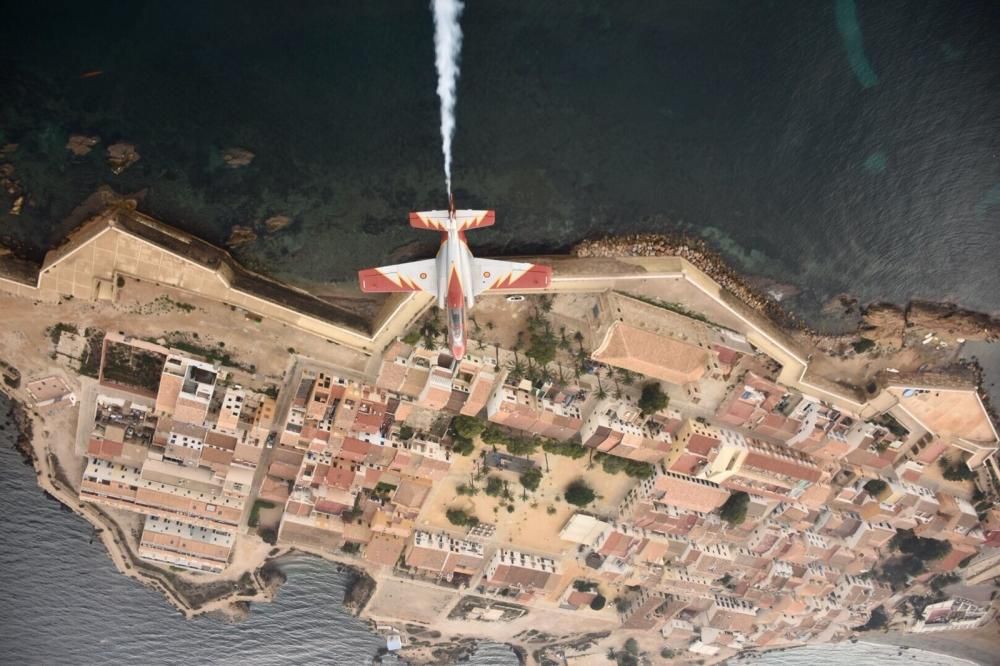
63 602
843 145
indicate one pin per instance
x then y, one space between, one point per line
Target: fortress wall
103 256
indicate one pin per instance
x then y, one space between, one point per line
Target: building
186 388
618 428
545 411
521 571
952 614
652 355
439 554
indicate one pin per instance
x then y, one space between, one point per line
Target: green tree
494 486
461 518
462 446
522 446
405 432
955 471
542 346
579 493
569 448
531 478
876 487
924 549
653 399
467 427
734 511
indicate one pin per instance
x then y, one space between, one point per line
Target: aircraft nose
458 350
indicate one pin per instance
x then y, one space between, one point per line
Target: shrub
351 548
579 493
254 518
466 489
531 478
598 602
734 511
653 399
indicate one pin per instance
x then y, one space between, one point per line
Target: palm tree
601 393
516 368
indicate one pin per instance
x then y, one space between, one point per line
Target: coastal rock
121 156
276 223
241 236
884 323
80 145
8 149
237 157
359 591
950 322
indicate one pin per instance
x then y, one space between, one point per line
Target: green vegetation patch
579 493
653 399
217 354
734 511
531 478
461 518
634 468
56 331
129 366
254 519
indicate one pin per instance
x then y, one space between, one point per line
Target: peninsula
647 459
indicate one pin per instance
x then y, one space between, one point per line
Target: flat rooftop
948 412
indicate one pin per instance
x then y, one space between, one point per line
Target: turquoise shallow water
842 145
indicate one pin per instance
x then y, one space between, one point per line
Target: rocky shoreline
885 323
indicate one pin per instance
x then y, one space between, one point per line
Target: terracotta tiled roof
652 355
384 549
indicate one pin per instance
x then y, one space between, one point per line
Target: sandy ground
531 526
411 601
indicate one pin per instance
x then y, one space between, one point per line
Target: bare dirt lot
411 601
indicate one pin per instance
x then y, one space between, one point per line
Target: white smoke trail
447 45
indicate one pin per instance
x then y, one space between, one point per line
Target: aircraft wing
508 275
413 276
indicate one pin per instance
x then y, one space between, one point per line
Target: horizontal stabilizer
440 220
